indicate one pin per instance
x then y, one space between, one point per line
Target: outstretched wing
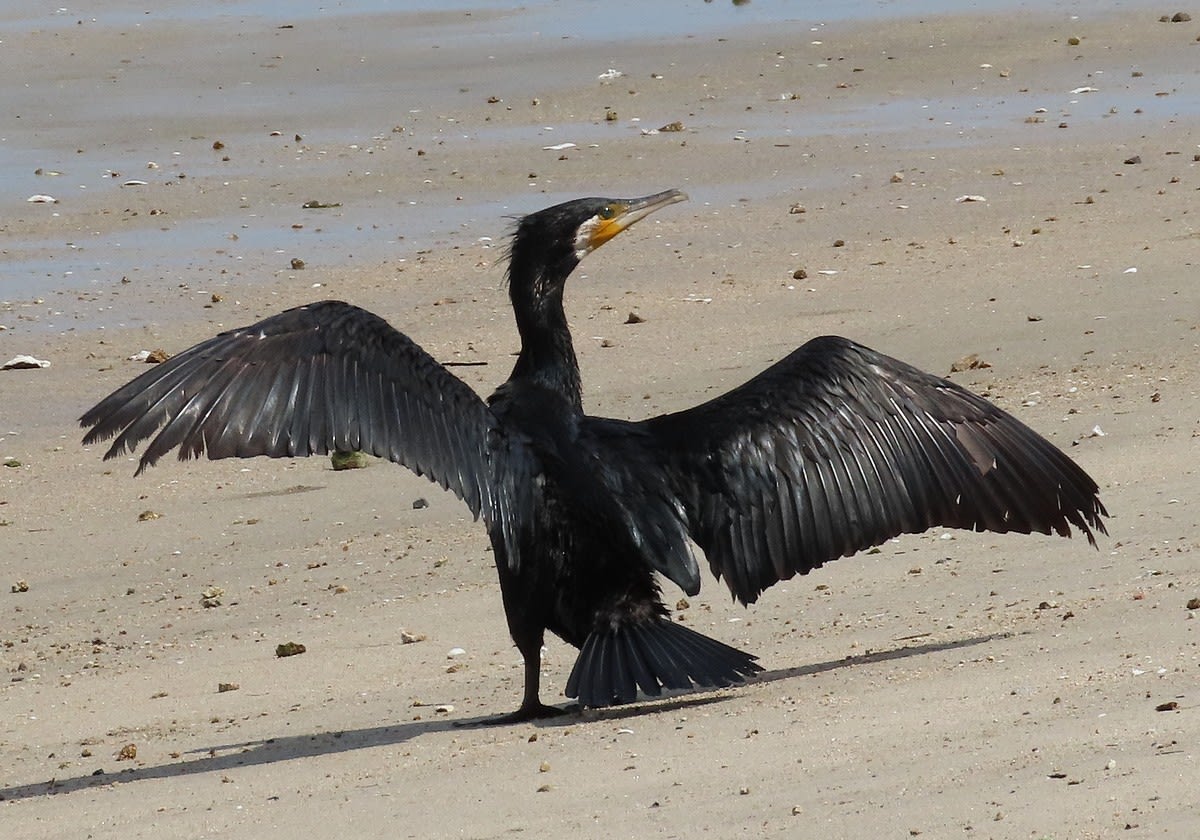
327 376
837 448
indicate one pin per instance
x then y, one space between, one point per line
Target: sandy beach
1017 184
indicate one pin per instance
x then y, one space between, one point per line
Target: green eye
608 212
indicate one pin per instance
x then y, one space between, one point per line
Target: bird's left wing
837 448
318 378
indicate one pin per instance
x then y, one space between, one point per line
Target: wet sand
951 684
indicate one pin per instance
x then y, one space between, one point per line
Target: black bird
831 450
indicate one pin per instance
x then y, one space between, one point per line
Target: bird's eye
607 212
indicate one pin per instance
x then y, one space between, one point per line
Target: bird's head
548 244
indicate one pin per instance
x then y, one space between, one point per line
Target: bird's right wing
837 448
314 379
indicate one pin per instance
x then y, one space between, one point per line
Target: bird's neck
547 357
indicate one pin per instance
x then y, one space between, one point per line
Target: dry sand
950 685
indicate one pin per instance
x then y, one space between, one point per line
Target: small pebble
348 460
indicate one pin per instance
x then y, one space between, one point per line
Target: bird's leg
532 708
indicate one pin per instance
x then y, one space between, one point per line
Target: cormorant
832 450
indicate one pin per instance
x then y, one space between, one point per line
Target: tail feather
671 675
613 665
583 680
642 673
723 667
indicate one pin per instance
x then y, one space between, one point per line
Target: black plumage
834 449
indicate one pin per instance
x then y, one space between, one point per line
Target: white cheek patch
583 237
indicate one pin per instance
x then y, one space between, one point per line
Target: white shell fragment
42 199
24 363
962 199
140 356
610 74
558 147
453 652
135 182
1085 89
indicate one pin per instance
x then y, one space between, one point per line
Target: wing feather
838 448
317 378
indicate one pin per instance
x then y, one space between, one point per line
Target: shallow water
610 20
100 127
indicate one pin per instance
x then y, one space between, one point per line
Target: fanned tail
613 665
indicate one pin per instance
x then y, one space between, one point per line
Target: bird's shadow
223 757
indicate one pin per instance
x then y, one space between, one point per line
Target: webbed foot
527 712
